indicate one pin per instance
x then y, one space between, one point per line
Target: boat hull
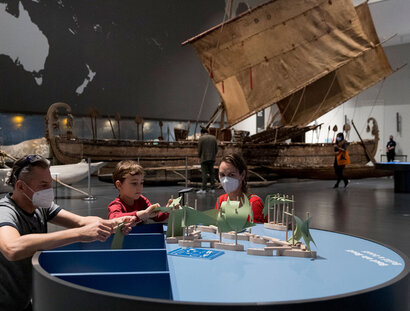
166 161
303 155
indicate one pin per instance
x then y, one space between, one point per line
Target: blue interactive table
401 174
350 273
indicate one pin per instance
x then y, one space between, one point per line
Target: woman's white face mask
229 184
42 198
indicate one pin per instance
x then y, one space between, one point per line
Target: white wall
248 124
382 102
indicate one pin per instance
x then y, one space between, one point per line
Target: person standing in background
207 150
340 149
391 149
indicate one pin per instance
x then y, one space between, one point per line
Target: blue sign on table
196 253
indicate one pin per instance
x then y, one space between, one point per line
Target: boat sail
337 87
305 57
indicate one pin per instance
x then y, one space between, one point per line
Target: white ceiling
391 17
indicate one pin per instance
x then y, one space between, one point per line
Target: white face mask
338 138
229 184
42 198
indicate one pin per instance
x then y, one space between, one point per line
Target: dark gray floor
368 208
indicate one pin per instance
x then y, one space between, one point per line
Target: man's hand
128 223
97 230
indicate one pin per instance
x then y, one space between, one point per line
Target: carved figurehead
52 122
374 130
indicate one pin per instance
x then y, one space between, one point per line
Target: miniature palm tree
270 201
185 216
302 231
118 239
231 217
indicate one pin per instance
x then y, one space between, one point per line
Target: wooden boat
67 174
38 146
167 161
258 60
3 179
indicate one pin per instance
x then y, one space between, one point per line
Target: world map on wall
23 41
115 56
27 46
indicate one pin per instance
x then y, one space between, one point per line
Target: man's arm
71 220
200 147
16 247
83 229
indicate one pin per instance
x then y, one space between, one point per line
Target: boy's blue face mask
338 138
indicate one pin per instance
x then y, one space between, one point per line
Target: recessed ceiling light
357 2
374 1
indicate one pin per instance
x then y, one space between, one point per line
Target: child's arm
164 216
115 211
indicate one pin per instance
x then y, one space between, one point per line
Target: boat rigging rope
202 105
287 106
228 7
297 107
355 106
326 95
374 104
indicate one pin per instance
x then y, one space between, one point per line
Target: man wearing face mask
23 228
233 174
391 149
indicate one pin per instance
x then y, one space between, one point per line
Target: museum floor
368 208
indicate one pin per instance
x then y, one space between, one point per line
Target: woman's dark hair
340 134
238 162
24 166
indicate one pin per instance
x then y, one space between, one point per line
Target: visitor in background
341 159
233 175
207 150
23 228
391 149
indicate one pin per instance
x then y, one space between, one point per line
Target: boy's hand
170 201
149 212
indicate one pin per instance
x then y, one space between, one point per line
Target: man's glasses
30 159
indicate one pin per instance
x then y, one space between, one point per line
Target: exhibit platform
401 174
350 273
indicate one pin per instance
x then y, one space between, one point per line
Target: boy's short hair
123 168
